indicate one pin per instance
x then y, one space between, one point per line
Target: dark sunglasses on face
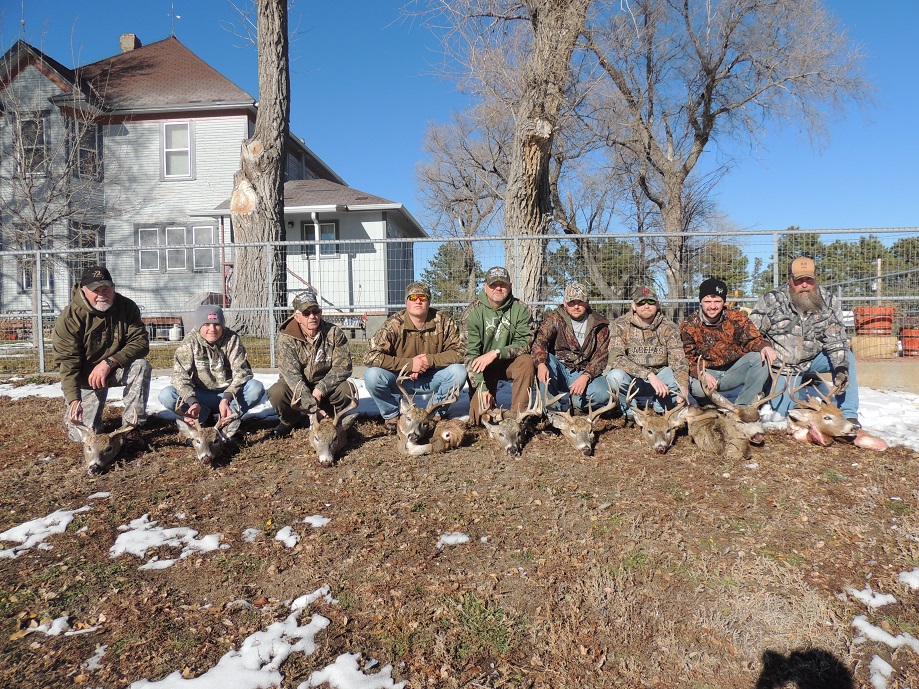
646 302
313 312
418 297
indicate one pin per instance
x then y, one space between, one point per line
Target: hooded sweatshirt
507 328
220 367
84 336
323 361
641 349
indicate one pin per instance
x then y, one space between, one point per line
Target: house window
86 149
33 146
176 259
177 150
327 231
27 272
85 236
148 238
202 259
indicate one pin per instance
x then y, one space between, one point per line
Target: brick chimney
128 41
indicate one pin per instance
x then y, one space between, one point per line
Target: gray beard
807 302
104 306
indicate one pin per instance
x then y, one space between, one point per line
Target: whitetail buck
579 430
416 425
657 431
328 436
101 449
747 415
510 429
821 421
209 443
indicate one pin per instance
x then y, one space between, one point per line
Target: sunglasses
313 312
646 302
418 297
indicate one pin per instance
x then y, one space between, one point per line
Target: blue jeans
620 380
561 378
749 373
250 395
847 401
381 385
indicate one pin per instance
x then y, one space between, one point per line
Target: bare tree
519 52
257 203
682 74
51 172
462 182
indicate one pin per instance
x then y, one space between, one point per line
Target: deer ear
404 406
348 421
556 420
184 429
231 428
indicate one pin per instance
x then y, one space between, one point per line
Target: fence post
775 260
516 276
271 324
37 317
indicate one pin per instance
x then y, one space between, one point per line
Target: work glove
840 378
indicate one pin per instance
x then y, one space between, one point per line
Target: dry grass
626 569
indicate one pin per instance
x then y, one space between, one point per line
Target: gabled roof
22 55
321 195
161 75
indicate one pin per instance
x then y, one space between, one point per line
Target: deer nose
588 451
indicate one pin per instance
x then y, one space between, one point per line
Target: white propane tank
175 333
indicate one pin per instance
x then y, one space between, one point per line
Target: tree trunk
528 208
257 204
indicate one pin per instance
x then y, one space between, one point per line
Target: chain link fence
359 283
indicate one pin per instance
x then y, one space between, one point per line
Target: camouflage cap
305 300
643 292
576 292
497 274
417 287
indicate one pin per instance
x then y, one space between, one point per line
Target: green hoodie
507 328
84 336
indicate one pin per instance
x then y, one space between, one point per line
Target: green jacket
83 337
219 367
508 328
323 362
398 341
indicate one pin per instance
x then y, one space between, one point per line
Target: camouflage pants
135 379
280 396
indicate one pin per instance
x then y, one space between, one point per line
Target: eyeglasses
646 302
313 312
418 297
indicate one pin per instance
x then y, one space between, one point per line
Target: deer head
747 415
416 424
579 430
329 436
657 431
509 430
816 420
101 449
209 443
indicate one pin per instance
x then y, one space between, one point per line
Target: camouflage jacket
722 343
508 328
83 337
641 350
304 363
556 336
220 367
798 338
398 341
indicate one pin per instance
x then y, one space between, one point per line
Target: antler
773 392
402 376
810 402
613 401
451 397
352 403
535 404
632 392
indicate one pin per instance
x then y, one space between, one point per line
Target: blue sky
363 93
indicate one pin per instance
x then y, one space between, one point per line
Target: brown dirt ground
626 569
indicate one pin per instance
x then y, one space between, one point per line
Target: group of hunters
100 342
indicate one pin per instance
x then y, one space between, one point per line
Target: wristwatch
111 363
497 352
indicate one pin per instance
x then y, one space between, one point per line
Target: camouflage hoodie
508 328
84 336
641 350
721 343
220 367
556 336
398 341
798 338
323 362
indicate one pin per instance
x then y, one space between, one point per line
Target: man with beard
100 342
803 322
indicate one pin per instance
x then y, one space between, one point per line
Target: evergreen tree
453 274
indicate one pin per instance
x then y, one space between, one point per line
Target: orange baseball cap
802 267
